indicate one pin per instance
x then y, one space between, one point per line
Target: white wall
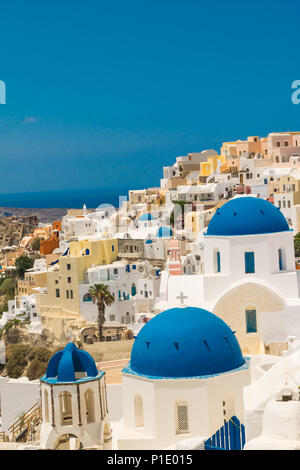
17 396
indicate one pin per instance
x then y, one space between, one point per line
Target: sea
62 199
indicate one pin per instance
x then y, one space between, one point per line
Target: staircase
24 428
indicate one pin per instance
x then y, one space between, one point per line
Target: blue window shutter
218 262
249 262
280 259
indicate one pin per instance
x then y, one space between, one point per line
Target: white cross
70 336
181 297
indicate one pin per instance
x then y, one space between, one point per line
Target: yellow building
209 167
195 221
63 280
32 280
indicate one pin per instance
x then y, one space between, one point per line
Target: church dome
247 216
146 216
185 342
64 365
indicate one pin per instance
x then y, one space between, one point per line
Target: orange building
174 260
47 246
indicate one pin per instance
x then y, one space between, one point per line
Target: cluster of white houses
210 256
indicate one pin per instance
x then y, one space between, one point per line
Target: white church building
250 279
185 378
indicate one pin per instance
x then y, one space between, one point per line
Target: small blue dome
185 342
148 242
247 216
146 216
65 363
164 232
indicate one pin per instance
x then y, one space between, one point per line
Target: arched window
89 406
46 406
87 298
138 411
65 408
251 321
182 419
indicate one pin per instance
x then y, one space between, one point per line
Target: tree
297 245
22 264
36 244
102 296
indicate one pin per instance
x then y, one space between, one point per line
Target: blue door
231 436
133 290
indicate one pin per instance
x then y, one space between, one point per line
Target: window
71 294
67 294
69 280
65 407
46 406
89 406
289 204
57 293
281 260
251 326
138 411
87 298
182 422
68 267
112 248
218 262
249 262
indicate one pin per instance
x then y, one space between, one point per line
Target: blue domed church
249 280
184 379
74 403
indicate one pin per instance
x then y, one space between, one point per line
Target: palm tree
101 294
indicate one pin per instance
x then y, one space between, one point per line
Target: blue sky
105 93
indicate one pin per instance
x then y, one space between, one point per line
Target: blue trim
53 380
245 366
247 235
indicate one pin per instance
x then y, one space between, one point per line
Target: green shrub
7 287
40 353
24 358
22 264
36 369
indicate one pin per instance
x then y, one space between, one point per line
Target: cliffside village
216 236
